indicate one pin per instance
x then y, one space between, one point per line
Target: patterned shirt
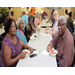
15 49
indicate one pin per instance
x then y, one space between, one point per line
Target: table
2 30
40 60
45 24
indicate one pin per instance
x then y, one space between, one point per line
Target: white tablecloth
44 23
2 30
40 60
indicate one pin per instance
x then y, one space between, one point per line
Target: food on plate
32 38
53 52
27 52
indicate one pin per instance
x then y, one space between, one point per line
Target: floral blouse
15 49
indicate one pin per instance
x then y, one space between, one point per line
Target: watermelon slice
26 52
53 52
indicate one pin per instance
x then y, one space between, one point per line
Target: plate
53 52
32 38
27 52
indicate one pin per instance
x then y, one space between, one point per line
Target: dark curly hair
8 25
66 11
70 14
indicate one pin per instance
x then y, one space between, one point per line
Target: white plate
32 38
54 51
27 51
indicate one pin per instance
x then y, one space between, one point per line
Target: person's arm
33 31
53 43
25 46
51 22
67 54
47 29
26 32
7 56
54 32
40 20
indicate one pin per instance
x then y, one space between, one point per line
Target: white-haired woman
19 33
54 30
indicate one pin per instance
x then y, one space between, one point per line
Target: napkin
45 52
45 34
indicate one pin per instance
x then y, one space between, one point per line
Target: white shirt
55 27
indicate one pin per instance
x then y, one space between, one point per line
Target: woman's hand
22 55
30 49
34 30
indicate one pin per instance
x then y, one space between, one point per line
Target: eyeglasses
54 14
61 26
21 23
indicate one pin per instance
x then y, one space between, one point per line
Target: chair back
1 38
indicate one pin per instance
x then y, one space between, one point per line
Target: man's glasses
61 26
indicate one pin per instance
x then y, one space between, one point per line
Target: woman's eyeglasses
54 14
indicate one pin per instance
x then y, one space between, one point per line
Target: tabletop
40 60
2 30
45 24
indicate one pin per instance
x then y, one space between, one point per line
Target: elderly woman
37 20
11 50
28 29
19 33
53 31
25 18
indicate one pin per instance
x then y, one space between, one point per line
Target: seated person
12 15
70 23
11 49
52 20
28 29
25 18
37 20
65 44
44 14
54 30
19 33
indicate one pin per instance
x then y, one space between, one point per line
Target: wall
18 11
73 11
60 11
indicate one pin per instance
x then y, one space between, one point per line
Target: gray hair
62 18
18 23
37 14
30 17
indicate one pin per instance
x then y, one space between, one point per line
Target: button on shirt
65 48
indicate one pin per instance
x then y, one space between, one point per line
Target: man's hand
49 48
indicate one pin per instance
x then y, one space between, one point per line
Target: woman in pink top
37 20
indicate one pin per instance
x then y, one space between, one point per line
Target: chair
1 38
